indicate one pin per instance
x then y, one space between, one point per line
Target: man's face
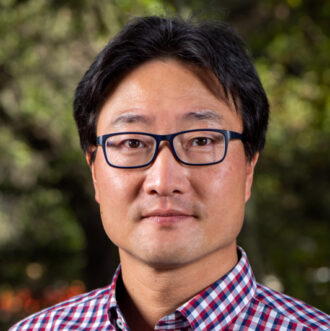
169 214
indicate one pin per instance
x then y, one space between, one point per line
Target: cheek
226 182
115 191
112 184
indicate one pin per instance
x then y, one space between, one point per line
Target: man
172 117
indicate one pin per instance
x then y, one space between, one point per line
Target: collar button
120 324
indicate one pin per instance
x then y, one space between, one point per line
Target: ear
91 158
250 165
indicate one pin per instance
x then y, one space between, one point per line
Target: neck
152 293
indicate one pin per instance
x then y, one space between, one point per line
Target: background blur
52 245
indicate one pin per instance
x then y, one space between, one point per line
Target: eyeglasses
192 147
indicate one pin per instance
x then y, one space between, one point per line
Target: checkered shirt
234 302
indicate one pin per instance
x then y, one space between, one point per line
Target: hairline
204 74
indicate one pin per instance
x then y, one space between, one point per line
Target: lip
166 216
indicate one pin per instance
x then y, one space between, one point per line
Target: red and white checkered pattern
234 302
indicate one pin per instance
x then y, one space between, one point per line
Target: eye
201 141
130 142
133 143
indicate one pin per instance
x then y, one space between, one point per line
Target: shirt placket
174 322
118 321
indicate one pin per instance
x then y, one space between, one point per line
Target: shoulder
75 310
289 311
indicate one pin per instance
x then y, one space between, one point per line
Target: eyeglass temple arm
235 135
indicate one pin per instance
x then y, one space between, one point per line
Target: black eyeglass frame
229 135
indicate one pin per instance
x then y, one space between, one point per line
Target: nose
166 175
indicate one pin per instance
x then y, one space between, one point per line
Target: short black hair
212 46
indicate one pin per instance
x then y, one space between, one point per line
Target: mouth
166 216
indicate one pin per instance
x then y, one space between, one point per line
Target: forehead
166 91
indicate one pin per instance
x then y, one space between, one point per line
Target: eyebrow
203 115
131 118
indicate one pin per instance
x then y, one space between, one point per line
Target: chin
169 256
167 261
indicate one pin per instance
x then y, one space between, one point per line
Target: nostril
153 192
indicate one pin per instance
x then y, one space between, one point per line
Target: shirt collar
218 305
114 312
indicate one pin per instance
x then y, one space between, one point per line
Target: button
120 323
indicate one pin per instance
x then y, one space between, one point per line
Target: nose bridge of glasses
166 138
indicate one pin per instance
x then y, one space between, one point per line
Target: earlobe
90 158
249 176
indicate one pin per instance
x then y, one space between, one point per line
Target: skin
175 226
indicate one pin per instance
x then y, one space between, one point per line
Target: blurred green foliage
50 230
